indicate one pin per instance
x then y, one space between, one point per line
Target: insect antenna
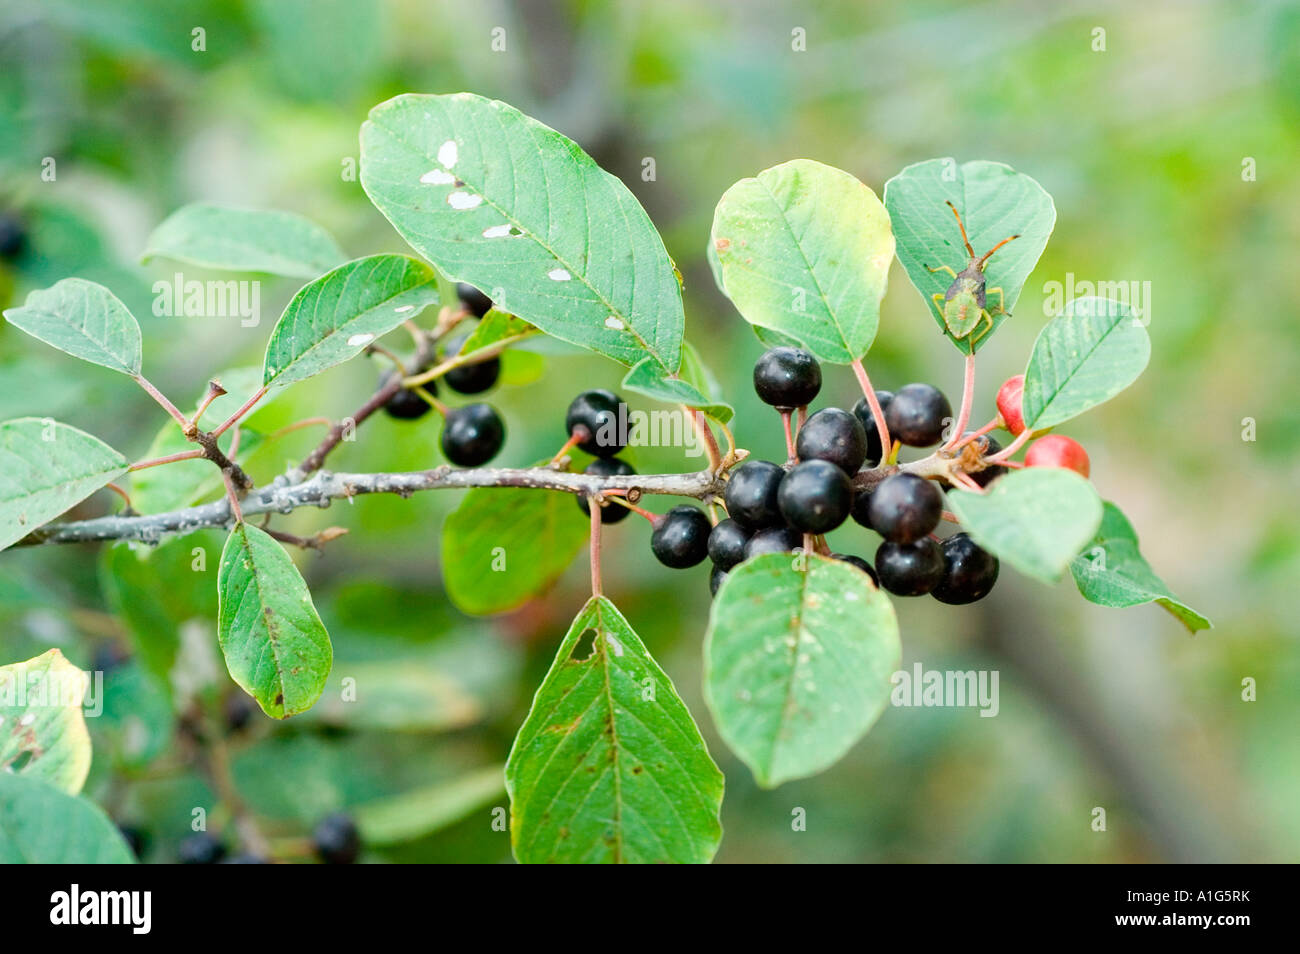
969 251
989 253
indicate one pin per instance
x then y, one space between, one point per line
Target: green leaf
797 660
648 378
39 824
335 317
609 766
804 250
1112 572
995 202
494 198
1035 519
84 320
495 330
400 695
245 240
502 546
42 731
416 814
275 645
1082 358
45 468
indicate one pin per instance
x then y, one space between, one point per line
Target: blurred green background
1143 147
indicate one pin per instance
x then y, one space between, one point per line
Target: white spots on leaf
614 644
559 275
356 341
448 153
27 719
615 322
437 177
400 309
464 200
497 231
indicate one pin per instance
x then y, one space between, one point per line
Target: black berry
910 569
862 411
988 474
835 435
472 435
607 467
336 839
715 580
969 572
861 512
681 537
238 709
406 405
13 237
474 378
200 849
787 377
597 412
773 540
727 544
904 508
815 496
860 563
246 858
917 415
751 494
475 302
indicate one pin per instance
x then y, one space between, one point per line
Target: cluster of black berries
473 433
772 507
335 841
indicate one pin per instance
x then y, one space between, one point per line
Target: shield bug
963 305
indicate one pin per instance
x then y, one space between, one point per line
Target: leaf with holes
1111 571
804 249
1035 519
1083 357
42 731
84 320
649 379
335 317
995 202
39 824
244 240
797 660
494 198
504 545
275 645
609 766
45 468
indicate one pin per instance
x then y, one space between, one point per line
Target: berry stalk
873 402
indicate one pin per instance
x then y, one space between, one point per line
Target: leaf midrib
1069 377
569 267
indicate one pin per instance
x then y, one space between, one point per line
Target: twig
593 504
282 496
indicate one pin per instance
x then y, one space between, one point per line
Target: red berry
1057 450
1009 397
